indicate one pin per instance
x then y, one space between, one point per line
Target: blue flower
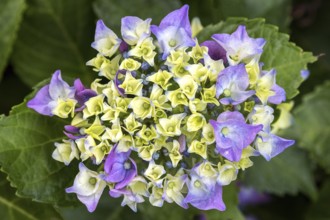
174 31
232 83
232 134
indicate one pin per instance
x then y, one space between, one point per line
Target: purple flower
134 29
123 48
47 97
72 132
268 90
130 198
232 134
88 186
121 91
204 195
106 41
239 46
174 31
119 168
82 94
262 114
200 216
279 96
250 196
270 145
215 51
232 83
182 142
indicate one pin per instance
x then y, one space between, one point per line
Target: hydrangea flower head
167 119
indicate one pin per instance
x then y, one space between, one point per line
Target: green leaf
112 11
14 208
279 53
311 127
288 173
276 12
320 209
11 12
54 35
26 145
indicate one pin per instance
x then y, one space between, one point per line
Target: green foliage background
39 36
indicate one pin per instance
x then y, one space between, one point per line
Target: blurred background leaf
310 29
111 11
320 209
11 12
54 35
312 125
275 12
289 173
280 207
14 208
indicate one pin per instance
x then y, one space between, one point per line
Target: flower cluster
169 118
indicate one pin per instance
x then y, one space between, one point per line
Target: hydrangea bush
169 118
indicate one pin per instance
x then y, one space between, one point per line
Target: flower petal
40 103
215 51
59 89
270 145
